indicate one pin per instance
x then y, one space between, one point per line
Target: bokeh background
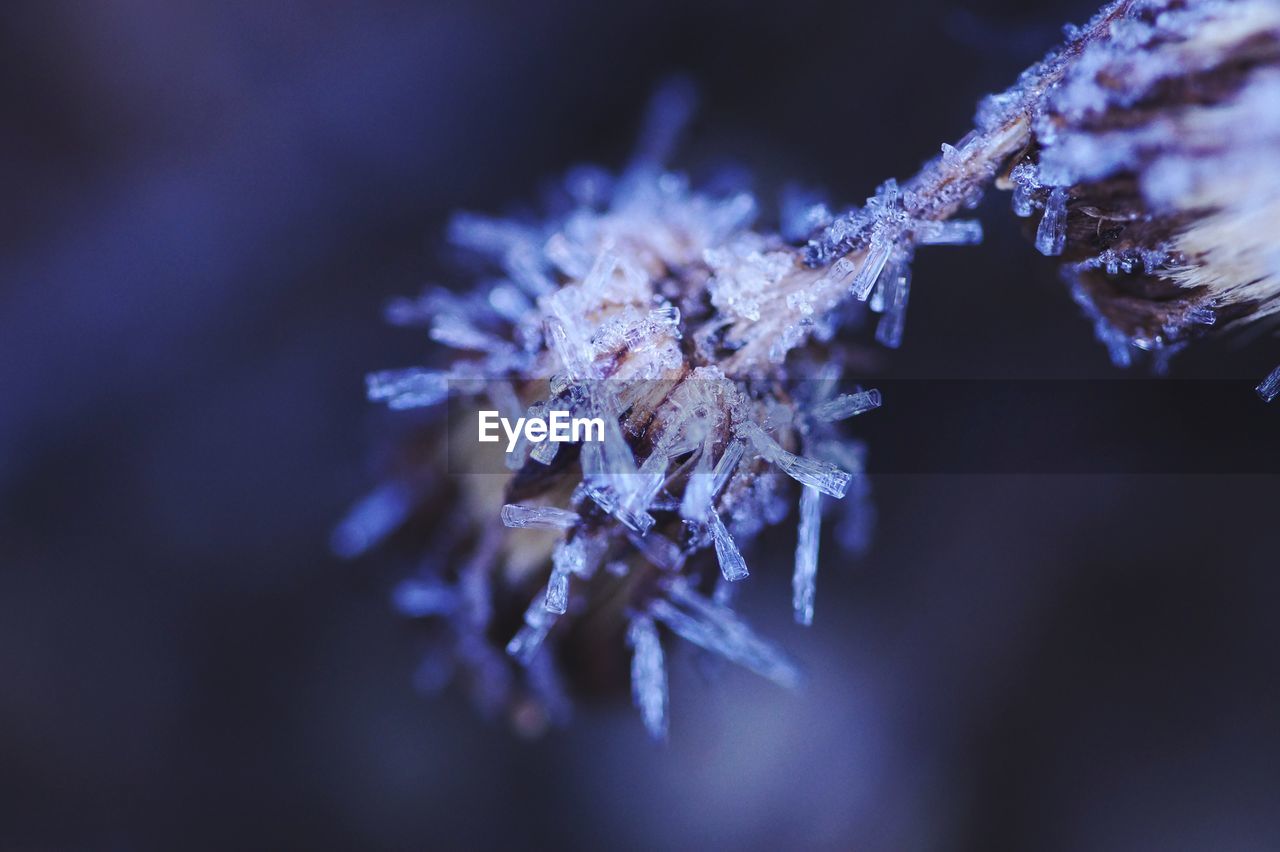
205 206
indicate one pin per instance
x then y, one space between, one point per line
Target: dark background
205 206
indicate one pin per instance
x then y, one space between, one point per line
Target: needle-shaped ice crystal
544 517
732 565
1270 387
659 550
889 329
516 458
802 582
420 598
821 475
371 520
538 621
458 332
648 675
716 628
564 336
411 388
544 452
1051 235
956 232
848 405
557 599
577 556
877 256
727 464
697 492
606 497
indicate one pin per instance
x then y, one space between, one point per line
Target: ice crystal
848 405
408 388
419 598
648 675
889 329
1270 387
539 516
717 628
803 581
372 519
732 565
557 597
1051 235
538 621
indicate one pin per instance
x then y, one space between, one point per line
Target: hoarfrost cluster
1145 153
708 351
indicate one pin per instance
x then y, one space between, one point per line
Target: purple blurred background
205 207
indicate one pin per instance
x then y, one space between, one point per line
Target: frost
575 353
578 556
658 309
696 502
515 459
371 520
823 476
889 329
607 497
557 597
957 232
668 114
648 675
411 388
659 550
1051 235
509 303
547 517
826 477
802 582
457 332
420 598
716 628
538 621
1023 178
1269 389
872 266
732 565
544 452
727 464
870 248
848 405
802 213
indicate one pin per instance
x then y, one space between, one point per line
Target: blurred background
206 206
